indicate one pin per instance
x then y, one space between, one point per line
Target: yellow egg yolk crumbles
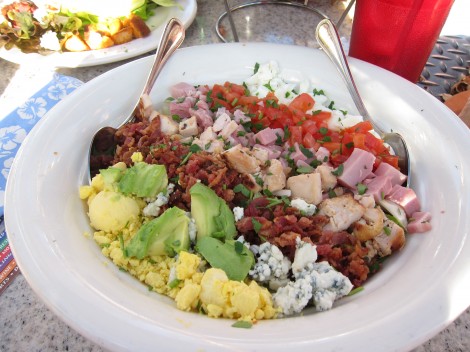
185 278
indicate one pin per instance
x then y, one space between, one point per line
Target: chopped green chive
256 225
242 324
338 171
361 188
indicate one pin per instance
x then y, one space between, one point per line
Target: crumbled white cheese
293 297
304 207
153 207
316 283
192 230
328 284
238 213
271 266
305 253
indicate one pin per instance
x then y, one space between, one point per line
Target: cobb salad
46 26
251 201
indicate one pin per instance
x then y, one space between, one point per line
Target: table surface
26 324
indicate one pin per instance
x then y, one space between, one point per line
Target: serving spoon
328 39
103 144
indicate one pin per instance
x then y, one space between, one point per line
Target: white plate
419 291
136 47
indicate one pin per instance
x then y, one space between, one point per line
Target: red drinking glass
397 35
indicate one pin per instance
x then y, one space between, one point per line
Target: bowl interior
417 293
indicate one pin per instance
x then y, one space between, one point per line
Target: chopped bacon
264 220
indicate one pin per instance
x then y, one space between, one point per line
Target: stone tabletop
26 324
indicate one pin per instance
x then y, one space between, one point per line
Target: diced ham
322 154
301 163
243 141
279 132
298 154
406 198
266 136
239 117
220 111
396 177
202 91
182 108
182 90
356 168
378 187
203 117
420 222
201 104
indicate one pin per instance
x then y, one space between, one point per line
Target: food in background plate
43 26
251 201
459 99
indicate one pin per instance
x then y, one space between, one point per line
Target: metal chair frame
304 5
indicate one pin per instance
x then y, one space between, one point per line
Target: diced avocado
232 256
212 215
397 213
111 177
143 180
166 235
226 220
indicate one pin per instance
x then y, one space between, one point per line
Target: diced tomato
333 147
347 144
218 91
303 103
373 144
300 105
308 141
275 114
390 159
334 136
310 130
232 98
361 127
248 101
310 127
220 103
359 140
295 134
336 158
321 118
266 122
235 88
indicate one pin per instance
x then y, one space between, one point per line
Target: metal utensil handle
171 39
328 39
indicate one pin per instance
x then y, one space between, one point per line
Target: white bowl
417 293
